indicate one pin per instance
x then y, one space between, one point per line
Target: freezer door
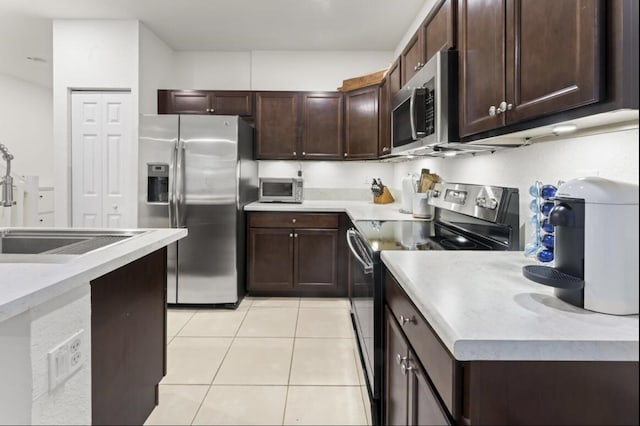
157 151
207 194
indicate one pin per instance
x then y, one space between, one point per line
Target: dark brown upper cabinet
394 78
524 59
277 125
299 125
436 33
322 126
362 123
219 102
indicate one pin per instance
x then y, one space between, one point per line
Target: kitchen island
500 349
45 302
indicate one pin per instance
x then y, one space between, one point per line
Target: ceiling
222 25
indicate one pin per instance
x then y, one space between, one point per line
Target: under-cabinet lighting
562 129
450 154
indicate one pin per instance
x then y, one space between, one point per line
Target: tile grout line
233 338
293 349
183 325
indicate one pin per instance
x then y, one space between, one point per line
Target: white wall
26 127
157 69
274 70
287 70
88 55
213 70
608 155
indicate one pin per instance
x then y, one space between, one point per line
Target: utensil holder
384 198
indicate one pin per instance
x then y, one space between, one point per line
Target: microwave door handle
351 233
412 113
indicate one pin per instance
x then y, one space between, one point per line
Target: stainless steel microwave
424 111
280 190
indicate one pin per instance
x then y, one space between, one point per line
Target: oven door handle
352 238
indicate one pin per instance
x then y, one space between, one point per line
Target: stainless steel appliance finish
280 190
458 224
197 172
424 111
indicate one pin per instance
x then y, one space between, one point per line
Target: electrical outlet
65 359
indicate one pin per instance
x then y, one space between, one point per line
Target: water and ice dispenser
157 183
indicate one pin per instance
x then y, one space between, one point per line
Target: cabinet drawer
439 364
45 201
293 220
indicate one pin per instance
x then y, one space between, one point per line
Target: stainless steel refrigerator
197 172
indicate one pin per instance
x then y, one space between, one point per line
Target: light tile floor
273 361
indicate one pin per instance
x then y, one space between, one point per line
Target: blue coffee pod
533 205
545 255
546 207
548 191
547 241
546 226
533 190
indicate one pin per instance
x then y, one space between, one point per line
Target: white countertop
484 309
356 210
24 285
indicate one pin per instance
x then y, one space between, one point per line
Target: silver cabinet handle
213 110
293 220
502 107
400 359
405 368
295 235
345 154
385 149
492 110
291 235
304 153
294 153
404 320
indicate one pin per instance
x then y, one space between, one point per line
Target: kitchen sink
55 245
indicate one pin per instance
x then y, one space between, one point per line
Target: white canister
421 207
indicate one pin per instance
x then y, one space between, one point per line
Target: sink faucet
7 180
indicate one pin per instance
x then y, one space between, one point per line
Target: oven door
361 293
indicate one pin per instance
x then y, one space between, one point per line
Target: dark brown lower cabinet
410 398
294 254
425 385
128 340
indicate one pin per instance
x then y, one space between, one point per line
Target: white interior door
102 173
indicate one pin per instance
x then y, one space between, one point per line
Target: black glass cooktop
418 235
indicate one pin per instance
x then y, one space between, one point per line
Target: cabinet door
316 253
394 79
270 259
322 126
232 103
384 142
128 340
424 408
184 102
276 125
553 56
361 134
396 384
412 57
439 31
481 40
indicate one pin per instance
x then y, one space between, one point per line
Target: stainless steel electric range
466 217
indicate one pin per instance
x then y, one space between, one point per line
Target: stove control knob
492 203
481 202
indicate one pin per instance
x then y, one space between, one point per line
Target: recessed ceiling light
450 154
36 59
562 129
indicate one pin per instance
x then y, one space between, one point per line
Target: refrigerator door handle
172 186
180 178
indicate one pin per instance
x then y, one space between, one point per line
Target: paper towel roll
407 195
